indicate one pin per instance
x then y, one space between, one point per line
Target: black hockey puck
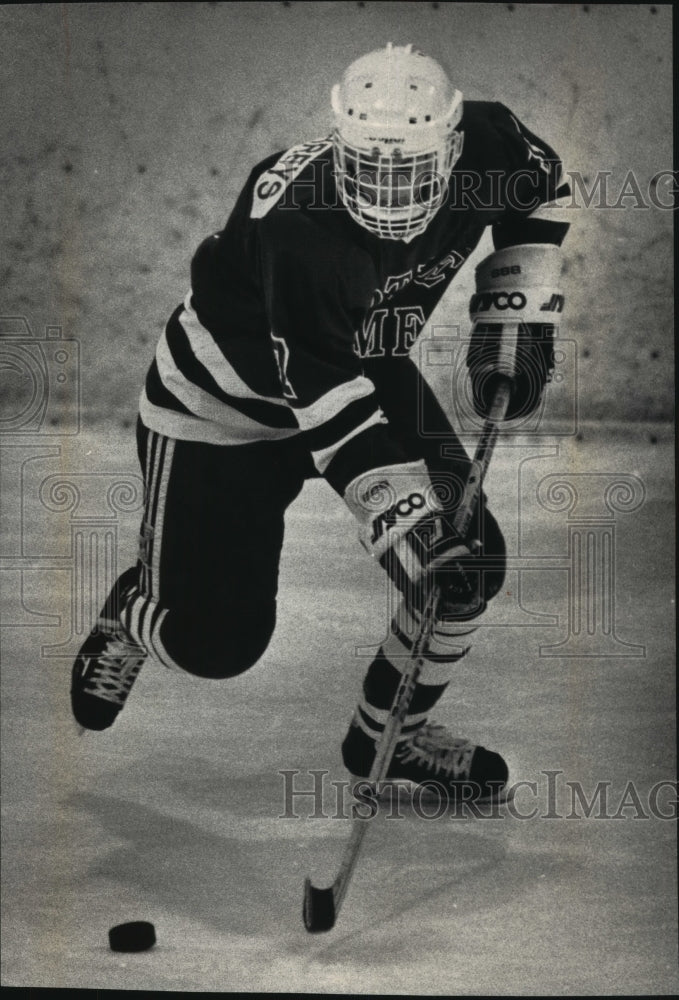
137 935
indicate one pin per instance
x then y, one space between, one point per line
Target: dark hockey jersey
293 305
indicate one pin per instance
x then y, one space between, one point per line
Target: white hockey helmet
395 140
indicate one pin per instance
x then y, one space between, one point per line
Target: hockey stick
482 457
322 906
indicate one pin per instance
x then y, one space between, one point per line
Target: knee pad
213 647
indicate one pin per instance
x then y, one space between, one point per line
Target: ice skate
448 766
107 665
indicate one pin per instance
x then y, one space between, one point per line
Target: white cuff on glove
389 501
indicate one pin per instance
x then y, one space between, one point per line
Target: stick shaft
389 737
386 745
482 457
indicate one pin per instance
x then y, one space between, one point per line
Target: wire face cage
394 195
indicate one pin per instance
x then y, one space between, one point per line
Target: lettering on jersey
404 329
377 298
404 508
370 335
427 275
432 275
395 282
409 322
270 186
483 301
282 353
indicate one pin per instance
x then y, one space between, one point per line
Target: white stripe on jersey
554 211
201 403
232 428
215 422
333 402
323 457
205 349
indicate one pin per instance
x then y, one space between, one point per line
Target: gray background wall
129 128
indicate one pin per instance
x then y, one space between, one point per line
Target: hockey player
289 359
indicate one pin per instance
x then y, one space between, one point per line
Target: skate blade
401 790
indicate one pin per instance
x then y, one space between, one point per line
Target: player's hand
532 365
433 552
515 313
404 525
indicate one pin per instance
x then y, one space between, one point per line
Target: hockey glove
515 320
403 524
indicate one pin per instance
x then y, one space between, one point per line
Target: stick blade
319 908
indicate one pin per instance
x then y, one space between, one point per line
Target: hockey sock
450 641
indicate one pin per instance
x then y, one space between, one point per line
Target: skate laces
433 748
114 670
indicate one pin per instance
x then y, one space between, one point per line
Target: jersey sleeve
537 190
315 295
